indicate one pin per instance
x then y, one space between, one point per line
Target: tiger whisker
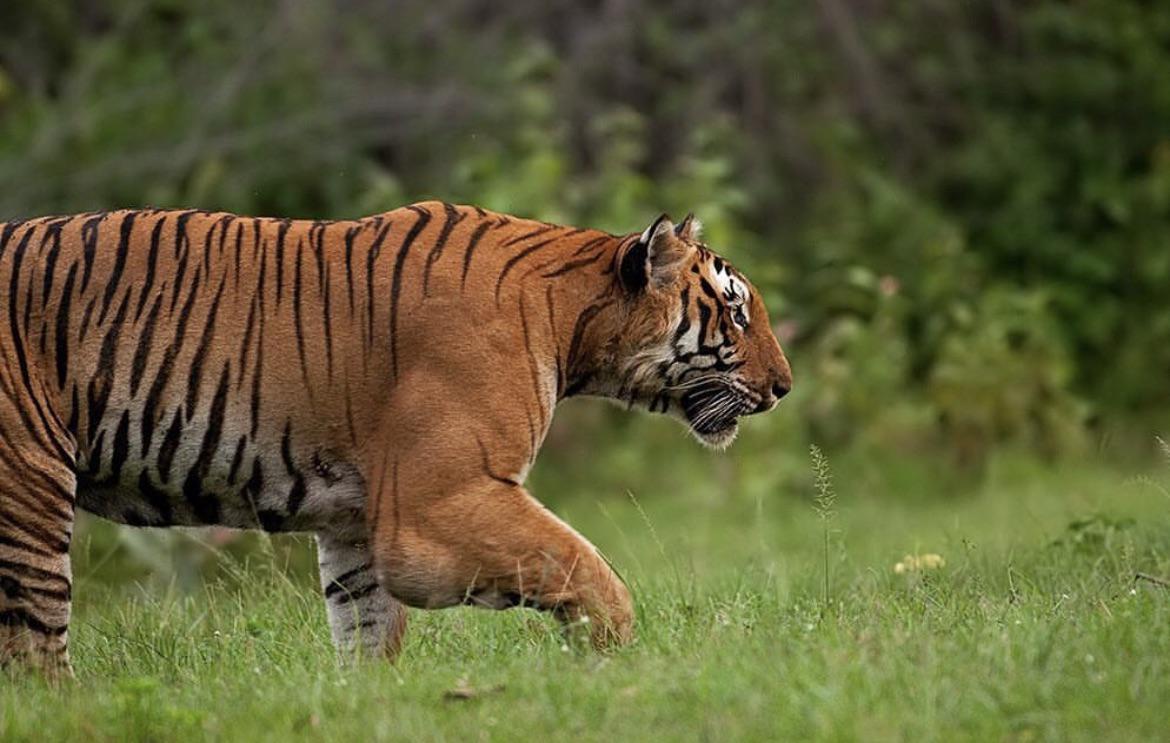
698 381
718 410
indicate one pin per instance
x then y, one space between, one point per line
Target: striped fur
385 383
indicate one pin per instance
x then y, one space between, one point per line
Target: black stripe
170 444
28 303
6 234
207 247
86 478
511 262
375 250
162 377
573 361
487 467
206 508
53 232
327 318
317 241
151 266
20 617
396 283
36 517
256 376
281 233
534 233
121 447
239 247
255 484
590 244
286 449
246 343
553 331
86 316
237 459
573 266
182 254
350 234
356 594
453 218
296 495
708 289
89 239
45 546
62 333
225 224
74 407
471 245
704 322
338 584
298 322
119 265
100 386
685 324
195 374
145 342
33 571
259 371
533 370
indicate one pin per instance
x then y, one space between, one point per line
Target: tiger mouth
713 413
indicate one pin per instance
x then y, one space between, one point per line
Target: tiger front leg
490 544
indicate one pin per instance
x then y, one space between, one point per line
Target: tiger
383 383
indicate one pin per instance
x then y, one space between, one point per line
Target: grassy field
1034 629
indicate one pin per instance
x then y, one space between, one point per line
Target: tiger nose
767 402
781 386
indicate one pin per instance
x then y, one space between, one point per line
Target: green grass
1035 629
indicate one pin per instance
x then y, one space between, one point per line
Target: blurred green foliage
959 212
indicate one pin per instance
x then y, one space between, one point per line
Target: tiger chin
383 383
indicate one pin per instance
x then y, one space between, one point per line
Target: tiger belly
250 484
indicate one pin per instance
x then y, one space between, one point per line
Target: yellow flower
914 563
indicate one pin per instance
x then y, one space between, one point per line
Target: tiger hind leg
366 622
36 524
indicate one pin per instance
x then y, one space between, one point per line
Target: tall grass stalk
824 502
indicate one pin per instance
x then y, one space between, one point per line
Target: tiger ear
689 228
652 258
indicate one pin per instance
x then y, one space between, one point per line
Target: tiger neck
582 301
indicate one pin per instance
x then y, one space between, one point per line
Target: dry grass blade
463 691
1162 582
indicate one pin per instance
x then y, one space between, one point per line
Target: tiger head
694 339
